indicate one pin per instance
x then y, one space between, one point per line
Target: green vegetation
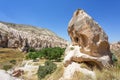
13 61
47 53
72 48
57 74
31 50
7 67
11 57
48 68
114 58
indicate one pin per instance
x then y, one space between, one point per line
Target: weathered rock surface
89 43
17 73
25 36
115 46
85 32
4 75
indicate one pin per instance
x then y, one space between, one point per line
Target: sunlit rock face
115 46
24 37
87 34
89 43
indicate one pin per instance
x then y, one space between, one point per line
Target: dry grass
108 74
7 54
112 73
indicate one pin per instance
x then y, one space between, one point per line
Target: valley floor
14 58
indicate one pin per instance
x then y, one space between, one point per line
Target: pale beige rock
75 67
73 54
37 38
89 46
85 32
115 46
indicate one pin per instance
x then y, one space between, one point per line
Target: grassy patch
10 57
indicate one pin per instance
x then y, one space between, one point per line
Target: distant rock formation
25 37
115 46
89 45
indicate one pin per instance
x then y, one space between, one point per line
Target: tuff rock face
89 43
24 36
115 46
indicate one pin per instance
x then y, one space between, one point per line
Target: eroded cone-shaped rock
87 34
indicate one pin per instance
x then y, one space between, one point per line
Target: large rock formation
89 43
25 36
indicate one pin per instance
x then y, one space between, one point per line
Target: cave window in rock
76 39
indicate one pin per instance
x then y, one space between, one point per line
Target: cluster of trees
48 68
47 53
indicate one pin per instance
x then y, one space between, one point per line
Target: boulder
17 73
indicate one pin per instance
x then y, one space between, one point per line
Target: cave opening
76 39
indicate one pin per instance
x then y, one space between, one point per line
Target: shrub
71 48
49 68
13 61
31 50
7 67
114 59
42 72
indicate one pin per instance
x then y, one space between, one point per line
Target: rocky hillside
26 36
115 46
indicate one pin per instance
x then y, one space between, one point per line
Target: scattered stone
17 73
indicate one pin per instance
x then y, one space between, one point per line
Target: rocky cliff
26 36
89 46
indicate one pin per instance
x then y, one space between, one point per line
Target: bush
31 50
13 61
42 72
71 48
7 67
49 68
114 58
